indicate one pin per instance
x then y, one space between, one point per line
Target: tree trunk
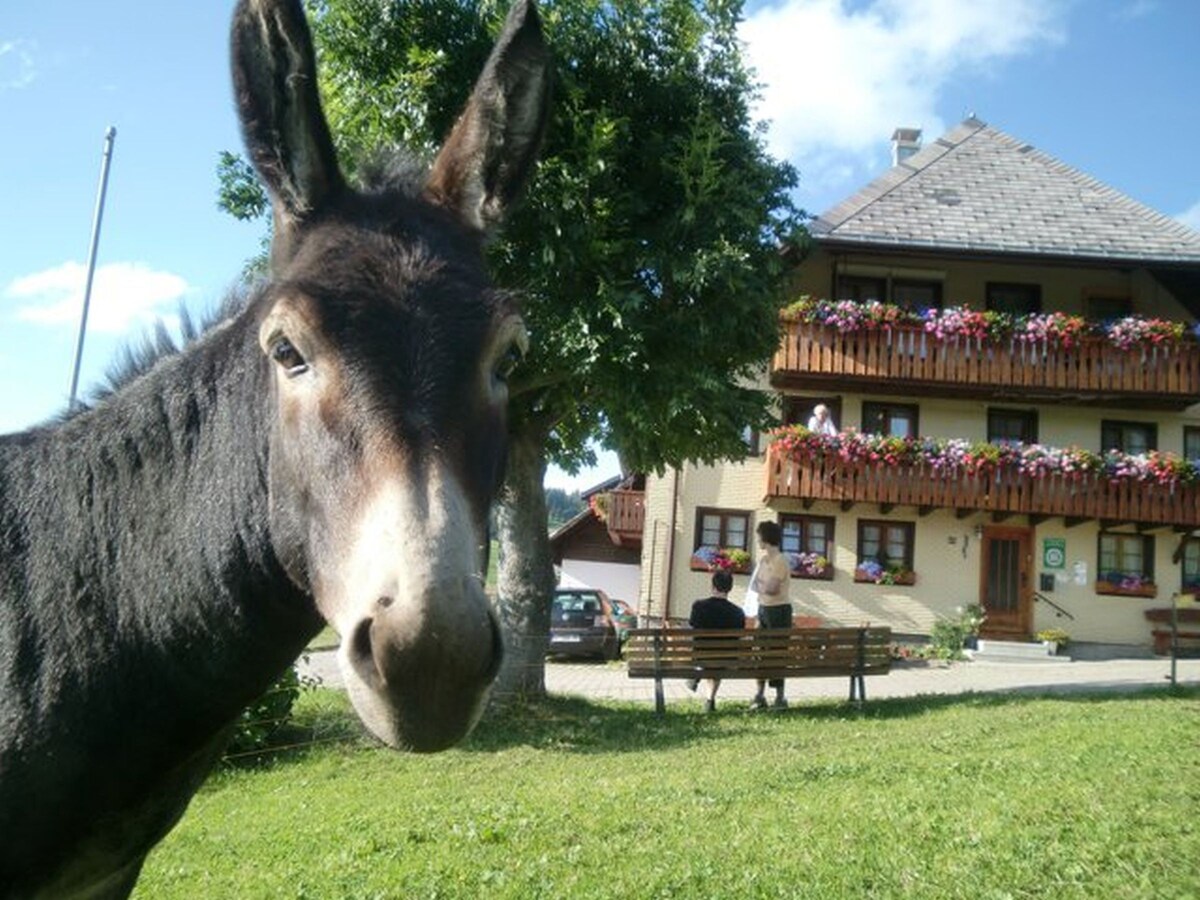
525 576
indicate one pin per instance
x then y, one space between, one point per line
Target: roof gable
978 189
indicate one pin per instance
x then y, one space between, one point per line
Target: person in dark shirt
711 613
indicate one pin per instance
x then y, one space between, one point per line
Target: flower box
709 559
871 575
812 566
1147 589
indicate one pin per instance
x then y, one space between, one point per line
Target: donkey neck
161 497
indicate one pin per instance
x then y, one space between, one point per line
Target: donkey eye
508 361
284 353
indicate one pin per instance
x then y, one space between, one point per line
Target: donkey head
389 353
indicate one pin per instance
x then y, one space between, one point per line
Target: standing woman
771 578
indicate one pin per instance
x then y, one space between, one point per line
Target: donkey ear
484 163
275 83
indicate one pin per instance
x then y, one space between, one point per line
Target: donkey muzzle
418 671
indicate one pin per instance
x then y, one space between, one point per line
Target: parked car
582 623
625 617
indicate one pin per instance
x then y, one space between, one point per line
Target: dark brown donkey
329 452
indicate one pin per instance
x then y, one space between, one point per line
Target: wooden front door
1006 582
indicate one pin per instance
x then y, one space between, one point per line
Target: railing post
660 705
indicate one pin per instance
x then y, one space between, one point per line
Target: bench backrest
652 652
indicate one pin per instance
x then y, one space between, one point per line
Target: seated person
716 612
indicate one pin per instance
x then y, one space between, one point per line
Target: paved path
609 681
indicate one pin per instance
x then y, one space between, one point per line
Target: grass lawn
971 797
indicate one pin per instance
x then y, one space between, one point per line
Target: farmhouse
1015 384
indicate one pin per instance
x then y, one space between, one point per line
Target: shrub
263 718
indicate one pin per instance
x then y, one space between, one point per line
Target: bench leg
660 705
858 688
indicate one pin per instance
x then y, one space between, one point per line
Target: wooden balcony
906 359
1003 493
626 516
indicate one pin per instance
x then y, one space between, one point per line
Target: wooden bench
1187 633
753 653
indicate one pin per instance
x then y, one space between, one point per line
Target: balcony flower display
712 559
599 505
809 565
1054 329
956 456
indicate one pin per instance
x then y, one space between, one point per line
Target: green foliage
930 797
263 719
949 636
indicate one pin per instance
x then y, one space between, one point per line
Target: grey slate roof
978 189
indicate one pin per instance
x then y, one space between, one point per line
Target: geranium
1056 328
1133 331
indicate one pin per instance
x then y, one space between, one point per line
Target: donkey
329 452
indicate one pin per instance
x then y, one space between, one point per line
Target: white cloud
123 295
1191 217
16 64
839 77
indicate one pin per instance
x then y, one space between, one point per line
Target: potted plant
1055 636
1124 584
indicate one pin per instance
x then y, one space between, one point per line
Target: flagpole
109 137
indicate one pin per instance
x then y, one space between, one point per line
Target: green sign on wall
1054 553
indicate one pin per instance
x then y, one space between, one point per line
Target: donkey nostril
385 602
361 656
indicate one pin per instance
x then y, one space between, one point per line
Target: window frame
1028 416
1191 431
1104 581
1192 587
991 288
938 288
886 407
908 530
803 521
1108 425
856 283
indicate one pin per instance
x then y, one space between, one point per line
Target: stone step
1015 651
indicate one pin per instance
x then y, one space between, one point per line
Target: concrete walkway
608 680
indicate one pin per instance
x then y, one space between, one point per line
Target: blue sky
1107 86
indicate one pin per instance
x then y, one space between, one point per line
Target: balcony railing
1005 492
902 358
626 516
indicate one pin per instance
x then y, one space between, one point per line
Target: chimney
905 142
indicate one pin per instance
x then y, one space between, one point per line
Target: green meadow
1083 796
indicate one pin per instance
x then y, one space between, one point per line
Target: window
861 288
1105 309
890 419
1191 565
1017 299
798 410
1191 442
721 530
751 438
1012 426
917 295
1128 437
808 541
911 293
885 552
1126 564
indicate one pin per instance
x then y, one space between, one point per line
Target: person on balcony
771 578
821 422
715 612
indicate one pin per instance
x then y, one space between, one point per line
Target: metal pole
109 136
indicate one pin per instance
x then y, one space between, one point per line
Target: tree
647 247
561 507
